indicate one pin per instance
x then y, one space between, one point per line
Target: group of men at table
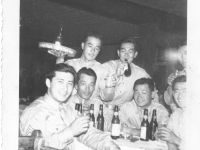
85 79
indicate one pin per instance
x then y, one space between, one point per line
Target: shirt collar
140 111
87 64
50 101
77 99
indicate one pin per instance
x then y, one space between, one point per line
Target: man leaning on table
174 133
131 113
57 122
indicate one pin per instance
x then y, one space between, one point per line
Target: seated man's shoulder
176 113
127 105
160 107
37 107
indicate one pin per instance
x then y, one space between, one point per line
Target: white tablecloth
127 145
141 145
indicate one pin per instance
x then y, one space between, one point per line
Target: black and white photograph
102 75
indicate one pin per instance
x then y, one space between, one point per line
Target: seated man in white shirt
86 80
174 133
131 113
59 125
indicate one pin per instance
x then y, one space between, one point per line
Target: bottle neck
100 112
116 114
145 117
91 111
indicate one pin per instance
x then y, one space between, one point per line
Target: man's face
179 94
142 95
127 51
86 86
182 55
61 86
91 48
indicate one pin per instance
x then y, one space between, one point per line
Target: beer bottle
144 127
77 106
92 118
127 72
153 126
115 131
100 119
80 108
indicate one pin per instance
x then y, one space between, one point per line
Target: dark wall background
34 65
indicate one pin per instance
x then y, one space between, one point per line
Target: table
127 145
141 145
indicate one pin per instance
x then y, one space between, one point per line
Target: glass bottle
92 118
115 131
153 126
100 119
144 127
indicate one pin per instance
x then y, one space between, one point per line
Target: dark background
158 26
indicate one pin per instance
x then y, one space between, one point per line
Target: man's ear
48 82
82 45
136 53
153 94
76 86
118 52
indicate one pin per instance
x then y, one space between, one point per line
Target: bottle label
115 130
143 132
91 123
91 111
116 113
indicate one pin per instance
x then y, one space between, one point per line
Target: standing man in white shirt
91 47
59 125
120 90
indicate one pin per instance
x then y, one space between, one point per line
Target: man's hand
120 70
80 125
167 135
111 81
171 78
110 145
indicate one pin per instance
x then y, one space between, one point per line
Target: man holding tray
91 47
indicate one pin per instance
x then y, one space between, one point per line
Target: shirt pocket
54 124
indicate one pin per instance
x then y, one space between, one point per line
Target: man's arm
37 120
172 146
97 139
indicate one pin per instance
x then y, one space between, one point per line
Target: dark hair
181 78
182 42
93 34
61 67
130 40
87 71
147 81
